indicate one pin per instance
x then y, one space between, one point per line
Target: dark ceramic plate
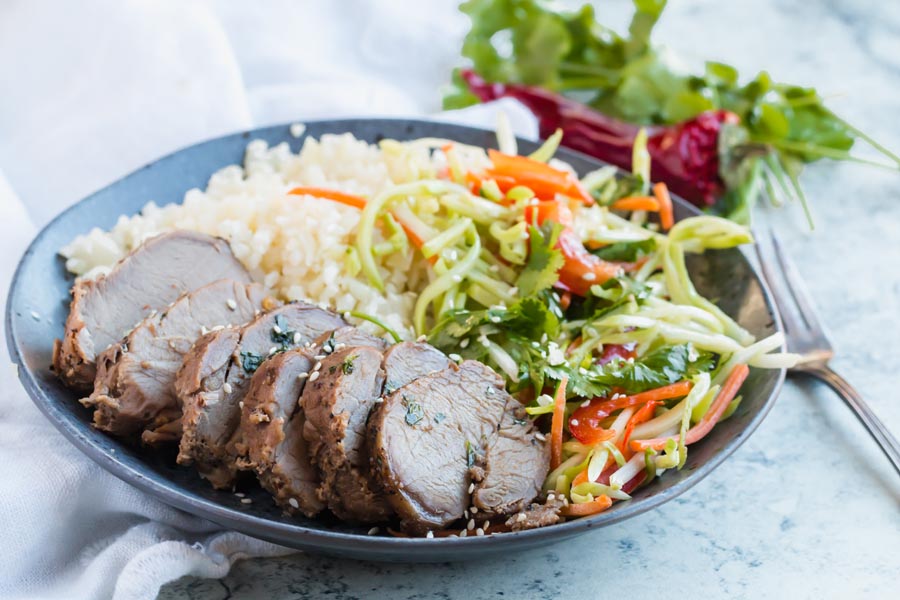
38 304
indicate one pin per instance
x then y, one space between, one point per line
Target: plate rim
323 540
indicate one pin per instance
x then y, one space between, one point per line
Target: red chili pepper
685 155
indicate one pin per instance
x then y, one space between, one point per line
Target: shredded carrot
636 203
642 415
697 432
473 181
666 211
544 180
580 478
667 392
556 425
565 300
336 196
576 343
597 505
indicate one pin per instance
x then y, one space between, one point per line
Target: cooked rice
296 245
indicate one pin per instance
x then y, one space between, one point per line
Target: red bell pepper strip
585 422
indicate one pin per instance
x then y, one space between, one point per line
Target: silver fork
806 336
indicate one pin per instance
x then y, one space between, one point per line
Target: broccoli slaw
576 290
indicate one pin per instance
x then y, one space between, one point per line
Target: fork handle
851 397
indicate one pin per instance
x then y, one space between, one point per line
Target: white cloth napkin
108 86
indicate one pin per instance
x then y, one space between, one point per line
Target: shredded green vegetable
497 257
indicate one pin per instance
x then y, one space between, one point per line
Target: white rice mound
296 245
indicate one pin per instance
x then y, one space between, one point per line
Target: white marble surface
808 507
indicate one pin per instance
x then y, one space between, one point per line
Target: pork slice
149 278
134 386
515 465
426 437
272 422
408 360
211 389
272 427
336 402
345 336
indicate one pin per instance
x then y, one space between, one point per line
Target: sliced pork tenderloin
272 422
148 279
451 440
516 463
337 398
406 361
134 387
215 376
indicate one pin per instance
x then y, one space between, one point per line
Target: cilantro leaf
544 260
664 366
626 251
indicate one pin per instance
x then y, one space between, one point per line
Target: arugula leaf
626 251
544 260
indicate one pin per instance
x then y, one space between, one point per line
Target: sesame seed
314 376
454 357
551 497
317 366
456 278
241 404
203 330
246 501
521 517
239 494
471 487
470 525
479 531
495 319
586 403
430 534
494 268
486 525
513 291
474 510
373 531
297 337
273 350
464 343
378 400
540 436
276 329
320 356
463 533
231 304
302 375
226 387
589 276
340 346
574 422
297 129
36 316
347 315
293 502
218 328
466 513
